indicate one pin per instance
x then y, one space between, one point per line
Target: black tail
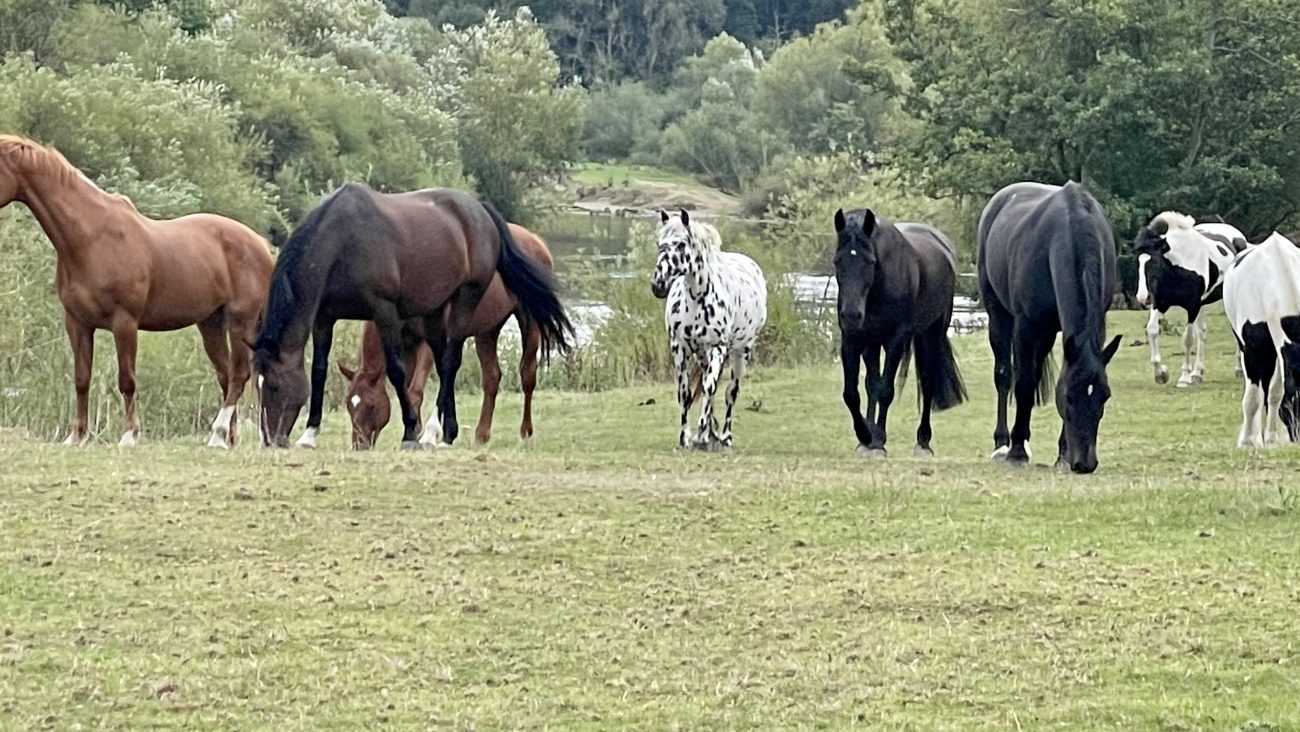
936 368
533 286
1046 381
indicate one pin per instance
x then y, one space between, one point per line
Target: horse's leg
213 331
125 336
392 335
82 340
1160 372
707 437
1200 327
1031 350
1273 407
685 392
851 351
432 434
925 348
1190 342
1249 436
486 346
1001 331
895 349
322 339
532 346
871 359
448 367
739 362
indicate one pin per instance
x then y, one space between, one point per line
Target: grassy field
599 174
598 580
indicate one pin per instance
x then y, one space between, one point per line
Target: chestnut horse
121 271
367 396
421 257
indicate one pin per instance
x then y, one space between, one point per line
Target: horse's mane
281 304
1079 207
38 158
1175 220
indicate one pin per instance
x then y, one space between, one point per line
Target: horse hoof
870 453
1000 454
440 445
1197 379
1062 465
922 452
411 445
129 439
218 442
1162 376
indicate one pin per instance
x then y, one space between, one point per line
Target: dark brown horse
391 258
367 396
121 271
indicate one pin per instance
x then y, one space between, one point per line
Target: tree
1153 105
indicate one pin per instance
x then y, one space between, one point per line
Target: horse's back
1264 283
927 237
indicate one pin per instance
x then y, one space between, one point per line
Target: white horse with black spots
1181 264
716 306
1261 295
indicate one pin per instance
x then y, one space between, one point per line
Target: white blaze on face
1142 278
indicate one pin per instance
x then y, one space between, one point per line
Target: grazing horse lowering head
1081 395
368 405
678 252
855 265
282 390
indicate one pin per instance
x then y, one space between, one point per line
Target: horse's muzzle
660 291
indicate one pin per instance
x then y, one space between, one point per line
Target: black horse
896 286
394 258
1046 259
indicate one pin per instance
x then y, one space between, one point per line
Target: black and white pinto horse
716 306
1261 294
896 287
1046 261
1182 264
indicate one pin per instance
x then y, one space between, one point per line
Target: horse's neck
70 210
697 280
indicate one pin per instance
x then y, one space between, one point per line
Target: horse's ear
347 372
1111 348
663 216
686 218
868 222
839 220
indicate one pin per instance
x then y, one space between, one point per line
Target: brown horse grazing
367 396
121 271
424 258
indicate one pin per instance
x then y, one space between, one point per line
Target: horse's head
1081 395
855 265
282 390
368 406
676 250
1290 411
1151 246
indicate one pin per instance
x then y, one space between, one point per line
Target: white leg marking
1153 338
1001 453
432 435
1142 294
129 439
1250 401
308 438
221 428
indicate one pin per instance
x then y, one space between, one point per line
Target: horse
715 308
390 258
367 395
1261 295
1045 256
1181 264
119 270
896 287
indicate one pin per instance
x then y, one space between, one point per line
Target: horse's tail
903 368
936 369
1046 381
533 286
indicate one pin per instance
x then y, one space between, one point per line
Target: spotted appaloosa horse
716 306
1261 295
1046 261
1182 264
121 271
367 396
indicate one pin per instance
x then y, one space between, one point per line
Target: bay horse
1181 264
716 306
390 258
367 395
1046 261
124 272
896 288
1261 295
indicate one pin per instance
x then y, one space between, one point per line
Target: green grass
600 580
599 174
